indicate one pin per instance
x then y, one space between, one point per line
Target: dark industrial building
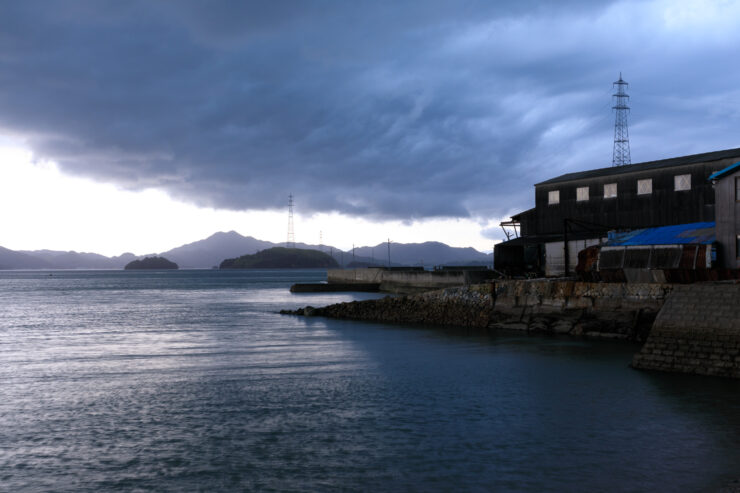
577 210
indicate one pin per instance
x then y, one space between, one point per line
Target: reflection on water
190 380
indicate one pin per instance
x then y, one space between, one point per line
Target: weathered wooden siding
728 220
664 206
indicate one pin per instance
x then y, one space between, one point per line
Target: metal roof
549 238
730 169
523 213
679 234
646 166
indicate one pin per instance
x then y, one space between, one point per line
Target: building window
581 194
737 246
610 190
645 187
737 189
682 182
553 197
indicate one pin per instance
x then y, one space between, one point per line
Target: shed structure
587 205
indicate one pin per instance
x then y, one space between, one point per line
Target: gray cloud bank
401 110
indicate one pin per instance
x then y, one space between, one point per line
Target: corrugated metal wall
555 254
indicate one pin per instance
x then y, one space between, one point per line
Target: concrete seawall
313 287
408 281
697 331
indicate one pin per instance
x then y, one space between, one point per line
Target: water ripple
190 381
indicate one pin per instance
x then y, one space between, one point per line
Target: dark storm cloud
381 109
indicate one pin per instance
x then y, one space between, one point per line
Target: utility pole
291 234
566 253
621 152
389 253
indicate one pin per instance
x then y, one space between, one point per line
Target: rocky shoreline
686 328
595 310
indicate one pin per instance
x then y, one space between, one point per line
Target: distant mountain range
50 259
213 250
210 252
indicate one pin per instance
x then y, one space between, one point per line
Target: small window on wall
581 194
553 197
682 182
737 189
610 190
645 187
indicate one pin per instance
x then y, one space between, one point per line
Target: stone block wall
604 310
697 331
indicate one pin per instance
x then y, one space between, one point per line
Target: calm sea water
190 381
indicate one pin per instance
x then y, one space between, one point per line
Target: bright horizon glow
46 209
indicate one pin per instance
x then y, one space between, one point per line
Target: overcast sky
410 114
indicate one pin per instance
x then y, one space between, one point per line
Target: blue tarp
680 234
730 169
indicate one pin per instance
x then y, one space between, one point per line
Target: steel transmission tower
291 235
621 154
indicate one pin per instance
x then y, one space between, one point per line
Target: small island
282 258
151 263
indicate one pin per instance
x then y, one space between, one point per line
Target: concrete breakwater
616 311
368 287
411 280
